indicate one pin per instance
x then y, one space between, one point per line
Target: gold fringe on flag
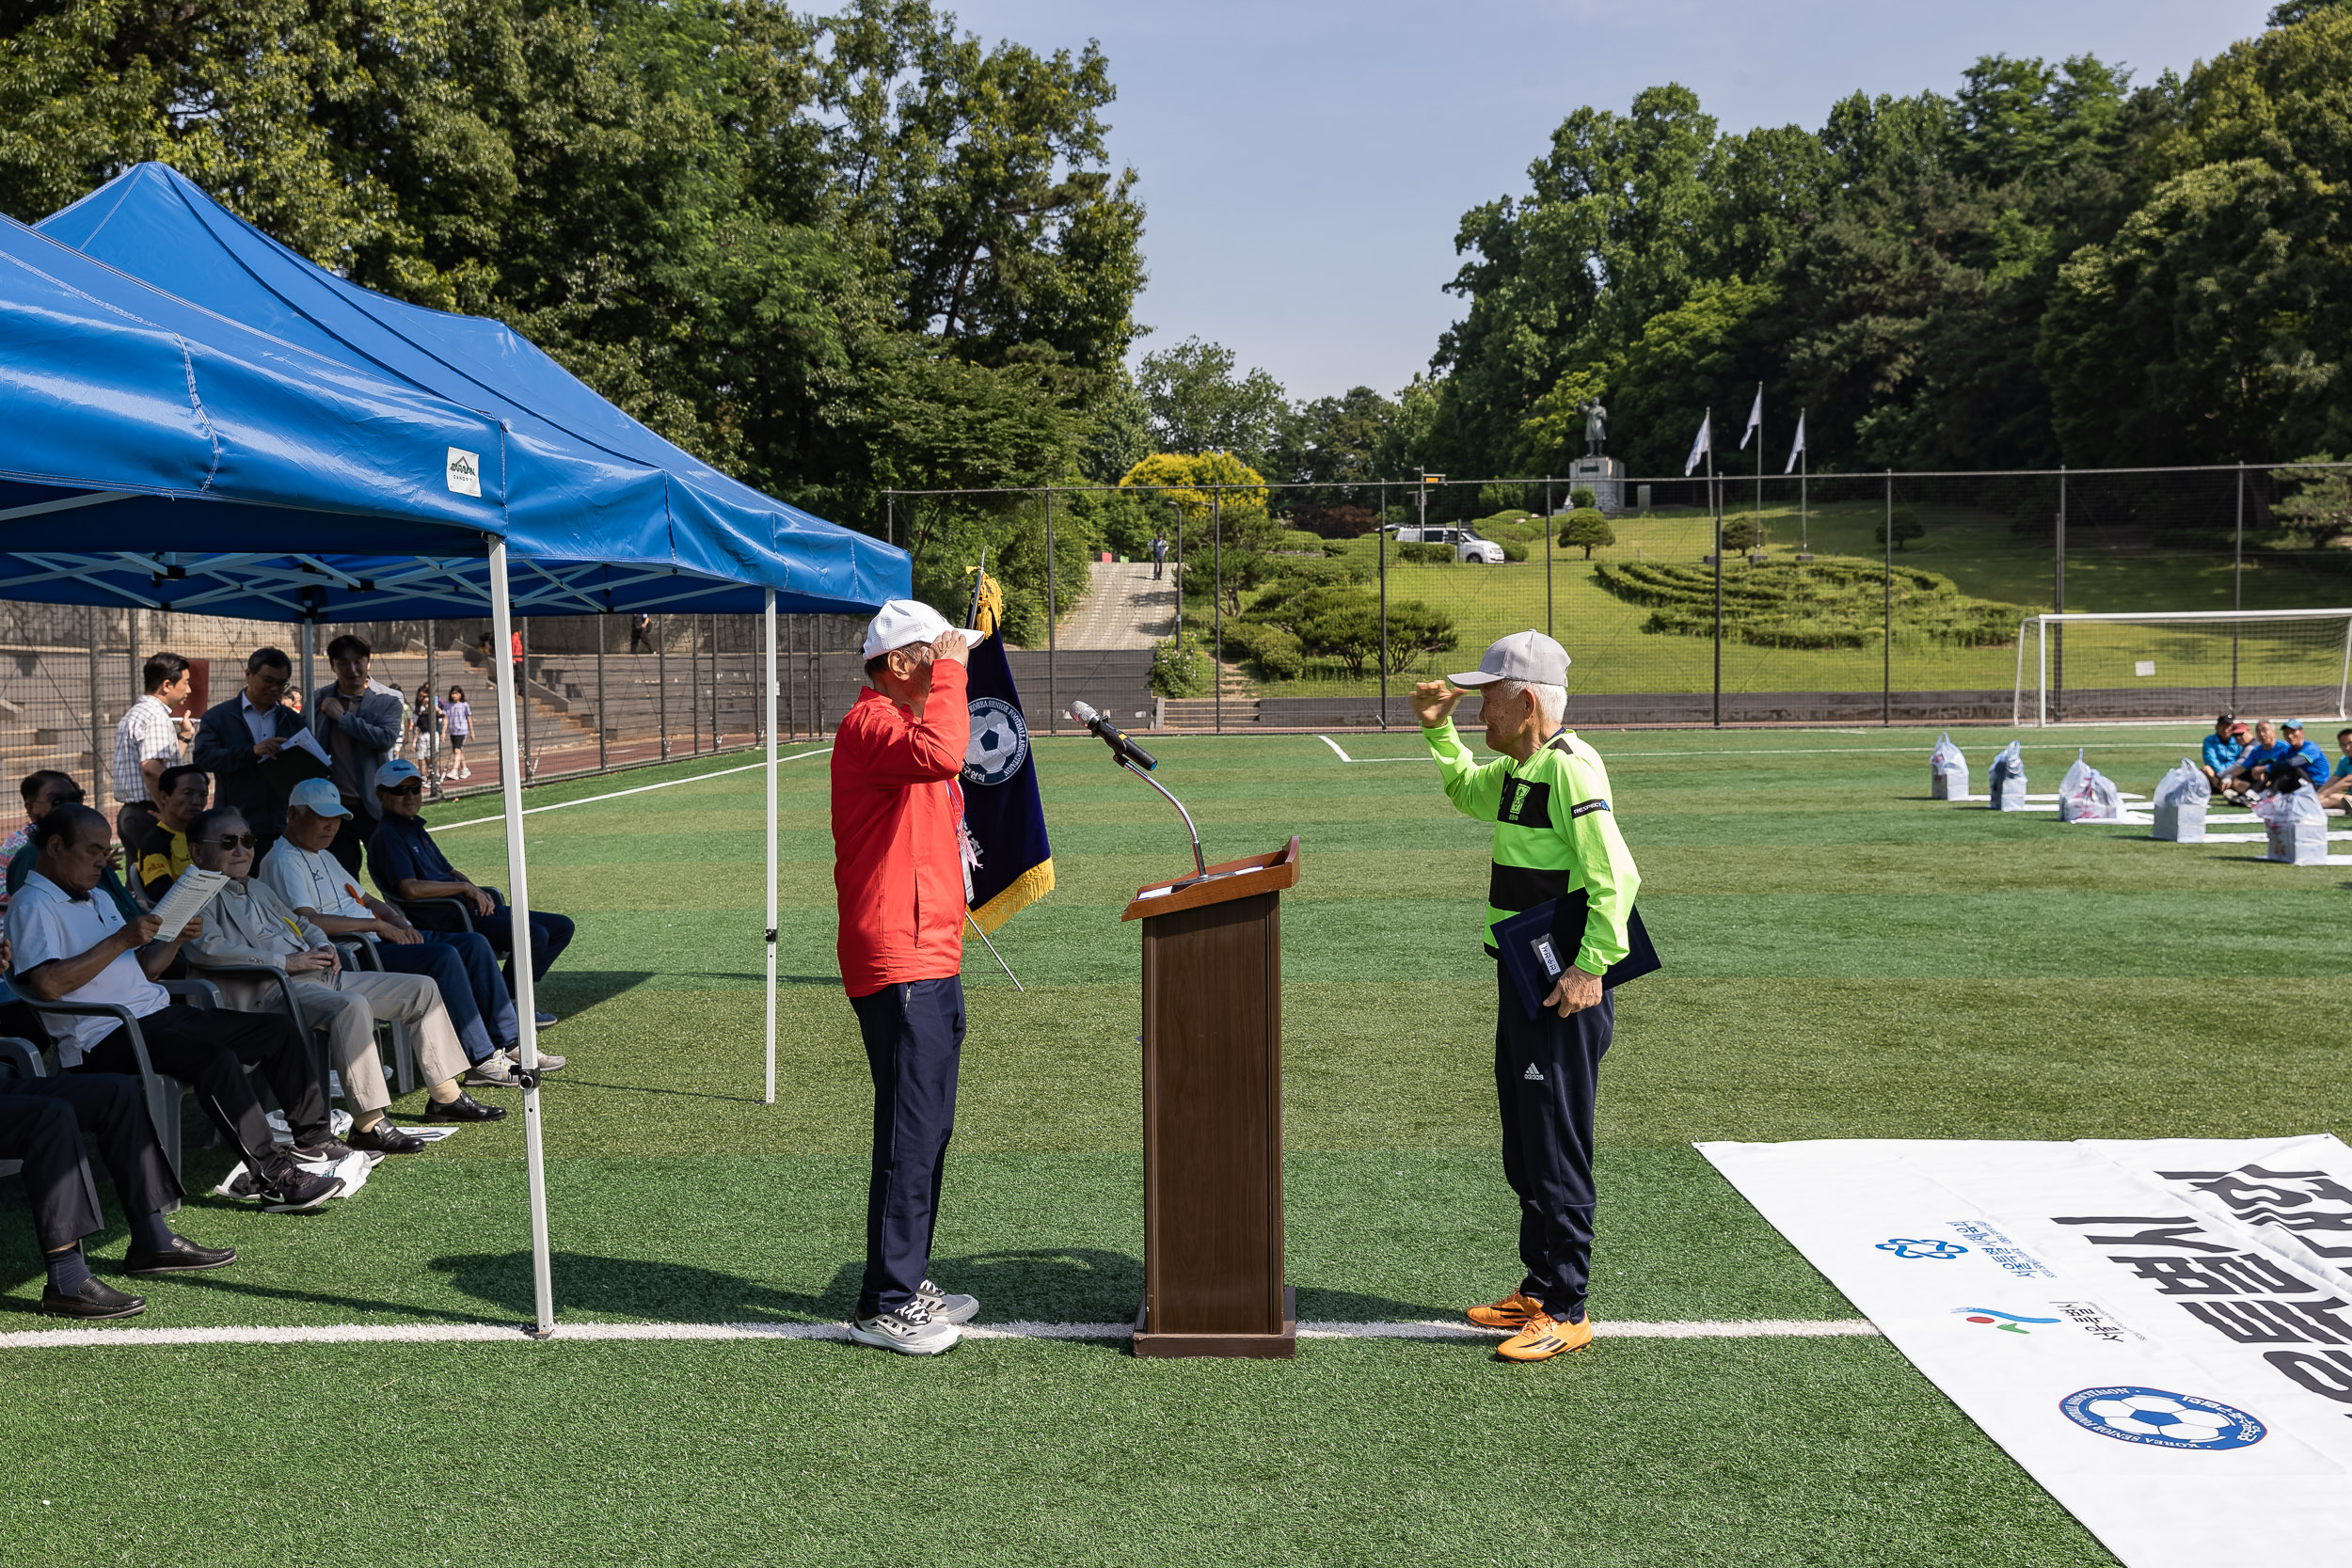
1030 886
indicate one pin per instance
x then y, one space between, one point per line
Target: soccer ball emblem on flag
999 744
2162 1418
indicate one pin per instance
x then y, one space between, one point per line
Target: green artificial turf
1845 958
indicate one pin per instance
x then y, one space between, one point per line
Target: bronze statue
1596 426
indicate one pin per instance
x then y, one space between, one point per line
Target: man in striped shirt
149 739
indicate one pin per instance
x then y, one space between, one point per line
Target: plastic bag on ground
2182 797
1947 770
2007 782
2086 794
2296 825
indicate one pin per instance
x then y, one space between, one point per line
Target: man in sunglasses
300 871
410 869
249 923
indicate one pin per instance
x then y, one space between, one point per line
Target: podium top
1229 879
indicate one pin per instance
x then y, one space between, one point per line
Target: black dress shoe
95 1299
183 1256
464 1108
384 1138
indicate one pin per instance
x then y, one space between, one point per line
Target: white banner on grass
2159 1331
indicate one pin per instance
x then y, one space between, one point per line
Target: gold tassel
1026 889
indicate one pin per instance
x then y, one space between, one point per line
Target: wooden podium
1213 1112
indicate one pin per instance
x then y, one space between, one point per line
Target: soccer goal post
2093 669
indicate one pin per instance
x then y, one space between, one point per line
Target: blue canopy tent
220 456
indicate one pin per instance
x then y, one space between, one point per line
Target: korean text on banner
2159 1331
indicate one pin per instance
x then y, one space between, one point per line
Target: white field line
383 1334
666 783
1335 748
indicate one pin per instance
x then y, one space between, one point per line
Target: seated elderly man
300 871
42 1122
2298 752
68 946
2223 748
2247 777
408 865
180 795
249 923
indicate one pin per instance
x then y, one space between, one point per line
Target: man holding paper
243 743
1555 839
72 947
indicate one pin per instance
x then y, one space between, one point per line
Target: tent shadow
576 990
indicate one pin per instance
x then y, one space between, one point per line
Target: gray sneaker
909 1330
944 1308
496 1070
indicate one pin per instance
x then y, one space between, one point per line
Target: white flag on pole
1700 447
1799 447
1755 418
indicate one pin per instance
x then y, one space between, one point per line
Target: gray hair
1550 701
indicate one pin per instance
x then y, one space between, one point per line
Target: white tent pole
519 914
768 724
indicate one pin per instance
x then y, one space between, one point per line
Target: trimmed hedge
1829 604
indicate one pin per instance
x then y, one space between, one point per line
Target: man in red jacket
900 870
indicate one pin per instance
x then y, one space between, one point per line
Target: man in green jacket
1548 796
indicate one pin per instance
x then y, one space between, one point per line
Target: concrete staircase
1238 697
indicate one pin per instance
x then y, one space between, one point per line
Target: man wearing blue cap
409 866
301 870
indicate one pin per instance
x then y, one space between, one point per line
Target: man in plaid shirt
148 739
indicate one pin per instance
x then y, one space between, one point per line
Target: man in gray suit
358 720
238 736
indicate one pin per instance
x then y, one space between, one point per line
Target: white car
1468 549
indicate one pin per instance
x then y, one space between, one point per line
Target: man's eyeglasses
71 798
234 841
411 788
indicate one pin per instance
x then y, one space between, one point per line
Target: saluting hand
1433 702
954 649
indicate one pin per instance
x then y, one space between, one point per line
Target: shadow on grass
576 990
1041 1285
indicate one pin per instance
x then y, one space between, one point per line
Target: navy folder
1538 945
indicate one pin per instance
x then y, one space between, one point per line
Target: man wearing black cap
1548 796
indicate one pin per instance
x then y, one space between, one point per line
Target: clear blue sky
1304 161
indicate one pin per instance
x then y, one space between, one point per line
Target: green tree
1589 527
1199 404
1906 524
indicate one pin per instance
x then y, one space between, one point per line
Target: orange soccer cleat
1511 1311
1545 1337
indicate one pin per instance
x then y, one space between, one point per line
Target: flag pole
1715 505
993 954
1756 534
1805 476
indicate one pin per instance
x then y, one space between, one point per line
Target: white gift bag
2086 794
2182 797
1948 771
2008 781
2296 826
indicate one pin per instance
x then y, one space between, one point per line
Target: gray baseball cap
1523 655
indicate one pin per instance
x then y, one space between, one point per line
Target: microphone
1112 736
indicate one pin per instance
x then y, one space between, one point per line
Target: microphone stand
1199 865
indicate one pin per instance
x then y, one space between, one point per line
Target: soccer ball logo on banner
2160 1417
1000 742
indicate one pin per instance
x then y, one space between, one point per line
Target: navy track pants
1547 1076
913 1033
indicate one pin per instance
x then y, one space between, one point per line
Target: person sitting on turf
251 925
407 866
2222 749
41 1123
300 871
2299 754
68 946
2241 781
179 799
2337 791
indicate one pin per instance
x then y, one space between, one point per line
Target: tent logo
465 472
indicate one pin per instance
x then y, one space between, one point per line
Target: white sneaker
944 1308
909 1330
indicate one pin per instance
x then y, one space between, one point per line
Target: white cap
1523 655
903 621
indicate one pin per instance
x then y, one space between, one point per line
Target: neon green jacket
1555 833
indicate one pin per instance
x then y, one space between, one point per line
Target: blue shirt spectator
2294 749
2222 752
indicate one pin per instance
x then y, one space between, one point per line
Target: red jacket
898 858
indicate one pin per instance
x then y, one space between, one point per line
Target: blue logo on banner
1908 1247
2160 1417
999 744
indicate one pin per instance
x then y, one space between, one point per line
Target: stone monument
1602 474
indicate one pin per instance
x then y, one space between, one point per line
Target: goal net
2258 663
